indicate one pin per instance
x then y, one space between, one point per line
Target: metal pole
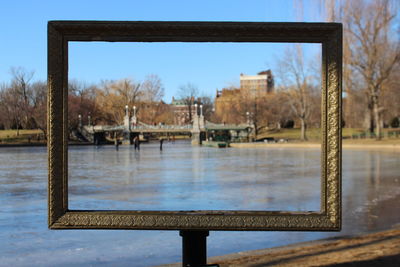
80 121
194 248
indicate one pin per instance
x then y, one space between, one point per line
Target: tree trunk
255 130
303 136
377 121
190 112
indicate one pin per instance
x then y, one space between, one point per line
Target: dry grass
24 136
314 134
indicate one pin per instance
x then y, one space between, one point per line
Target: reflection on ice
183 177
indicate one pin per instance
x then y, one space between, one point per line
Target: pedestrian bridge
199 130
141 128
147 128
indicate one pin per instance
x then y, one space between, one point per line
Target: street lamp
126 110
248 117
88 117
80 121
201 110
133 119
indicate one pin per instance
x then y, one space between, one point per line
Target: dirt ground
376 249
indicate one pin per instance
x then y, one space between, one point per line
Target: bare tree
22 91
12 107
207 103
188 93
113 96
39 108
296 83
128 89
152 89
5 112
374 55
371 51
252 106
391 99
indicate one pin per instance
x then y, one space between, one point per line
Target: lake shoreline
375 145
39 144
345 145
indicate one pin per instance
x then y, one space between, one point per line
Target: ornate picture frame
327 34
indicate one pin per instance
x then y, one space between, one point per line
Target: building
227 101
180 110
263 82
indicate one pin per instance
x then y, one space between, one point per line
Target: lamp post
126 110
201 117
133 119
195 109
80 121
248 117
89 122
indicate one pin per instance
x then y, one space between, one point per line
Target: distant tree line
23 103
371 75
371 85
371 61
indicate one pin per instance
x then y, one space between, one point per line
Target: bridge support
198 125
196 137
128 138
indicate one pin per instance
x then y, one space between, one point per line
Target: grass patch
314 134
24 136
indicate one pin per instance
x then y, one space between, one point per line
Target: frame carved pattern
328 34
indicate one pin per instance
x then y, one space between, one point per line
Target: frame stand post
194 248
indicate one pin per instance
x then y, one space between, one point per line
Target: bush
288 124
31 124
395 122
15 126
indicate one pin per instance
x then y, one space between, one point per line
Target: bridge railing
106 128
162 127
143 126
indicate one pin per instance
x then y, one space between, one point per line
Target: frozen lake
181 177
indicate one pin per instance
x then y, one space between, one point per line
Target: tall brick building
263 82
250 86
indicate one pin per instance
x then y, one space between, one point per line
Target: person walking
116 141
161 143
135 142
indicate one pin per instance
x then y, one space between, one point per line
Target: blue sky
23 31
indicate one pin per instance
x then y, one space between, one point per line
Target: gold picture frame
327 34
